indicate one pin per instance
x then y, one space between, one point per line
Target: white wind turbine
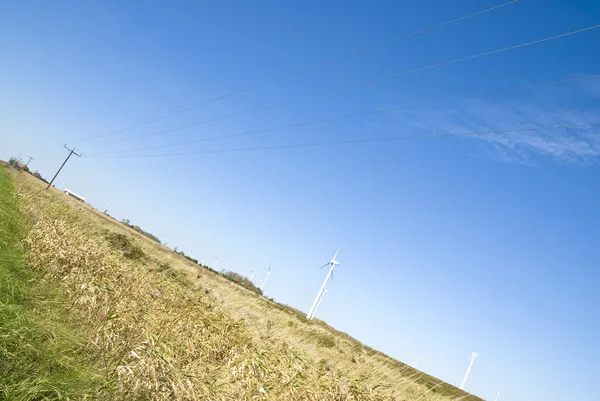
253 271
318 303
497 396
416 361
473 356
333 264
266 277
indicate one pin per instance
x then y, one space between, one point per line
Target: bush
185 256
139 229
37 175
123 243
241 280
324 339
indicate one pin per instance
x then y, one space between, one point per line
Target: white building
74 195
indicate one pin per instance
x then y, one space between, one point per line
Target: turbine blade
326 264
335 256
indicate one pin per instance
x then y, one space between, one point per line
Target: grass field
92 308
40 355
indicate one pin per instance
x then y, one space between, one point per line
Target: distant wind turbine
253 271
416 361
497 396
318 303
333 264
215 264
473 356
266 277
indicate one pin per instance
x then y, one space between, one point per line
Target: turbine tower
497 396
473 356
266 277
333 264
416 361
318 303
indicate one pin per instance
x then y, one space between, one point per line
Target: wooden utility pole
28 161
71 152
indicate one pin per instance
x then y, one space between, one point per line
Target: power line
361 83
305 69
354 141
372 112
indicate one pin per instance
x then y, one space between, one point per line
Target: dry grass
159 327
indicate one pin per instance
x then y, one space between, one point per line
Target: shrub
139 229
163 266
241 280
324 339
123 243
37 175
185 256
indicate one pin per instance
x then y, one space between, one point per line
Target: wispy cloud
574 105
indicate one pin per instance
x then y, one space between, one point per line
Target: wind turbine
253 271
497 396
318 303
333 264
215 264
266 277
473 356
416 361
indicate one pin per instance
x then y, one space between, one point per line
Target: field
91 309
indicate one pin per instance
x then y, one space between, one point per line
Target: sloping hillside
155 325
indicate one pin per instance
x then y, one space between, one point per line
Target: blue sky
449 245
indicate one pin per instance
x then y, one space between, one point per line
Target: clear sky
449 245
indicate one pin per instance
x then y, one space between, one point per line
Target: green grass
38 348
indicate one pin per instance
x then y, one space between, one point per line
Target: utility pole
71 153
28 161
